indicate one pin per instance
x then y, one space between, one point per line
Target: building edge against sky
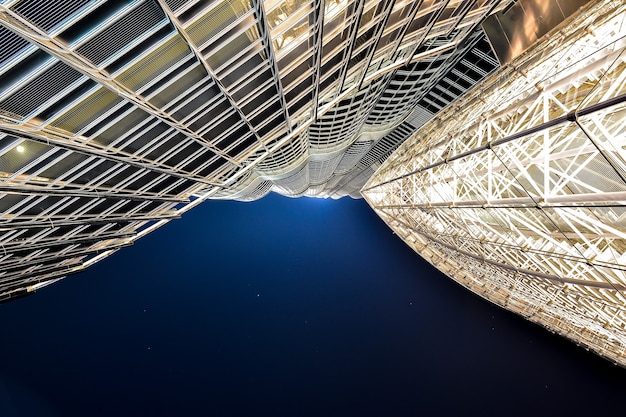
117 116
517 191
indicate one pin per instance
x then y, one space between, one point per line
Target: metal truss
518 190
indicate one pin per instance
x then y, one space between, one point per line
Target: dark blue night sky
283 307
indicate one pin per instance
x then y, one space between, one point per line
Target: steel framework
518 190
117 116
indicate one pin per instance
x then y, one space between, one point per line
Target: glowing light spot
20 148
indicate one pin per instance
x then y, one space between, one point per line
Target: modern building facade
518 190
117 116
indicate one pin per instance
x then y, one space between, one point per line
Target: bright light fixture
20 148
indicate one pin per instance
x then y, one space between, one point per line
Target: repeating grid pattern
518 190
421 90
117 116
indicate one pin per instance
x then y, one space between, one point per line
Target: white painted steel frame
518 190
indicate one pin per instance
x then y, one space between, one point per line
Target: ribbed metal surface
122 32
11 45
386 145
320 171
353 155
177 4
116 116
41 89
259 192
47 14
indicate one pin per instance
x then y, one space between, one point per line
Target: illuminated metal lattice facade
518 190
117 116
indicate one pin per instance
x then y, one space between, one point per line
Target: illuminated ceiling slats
117 116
